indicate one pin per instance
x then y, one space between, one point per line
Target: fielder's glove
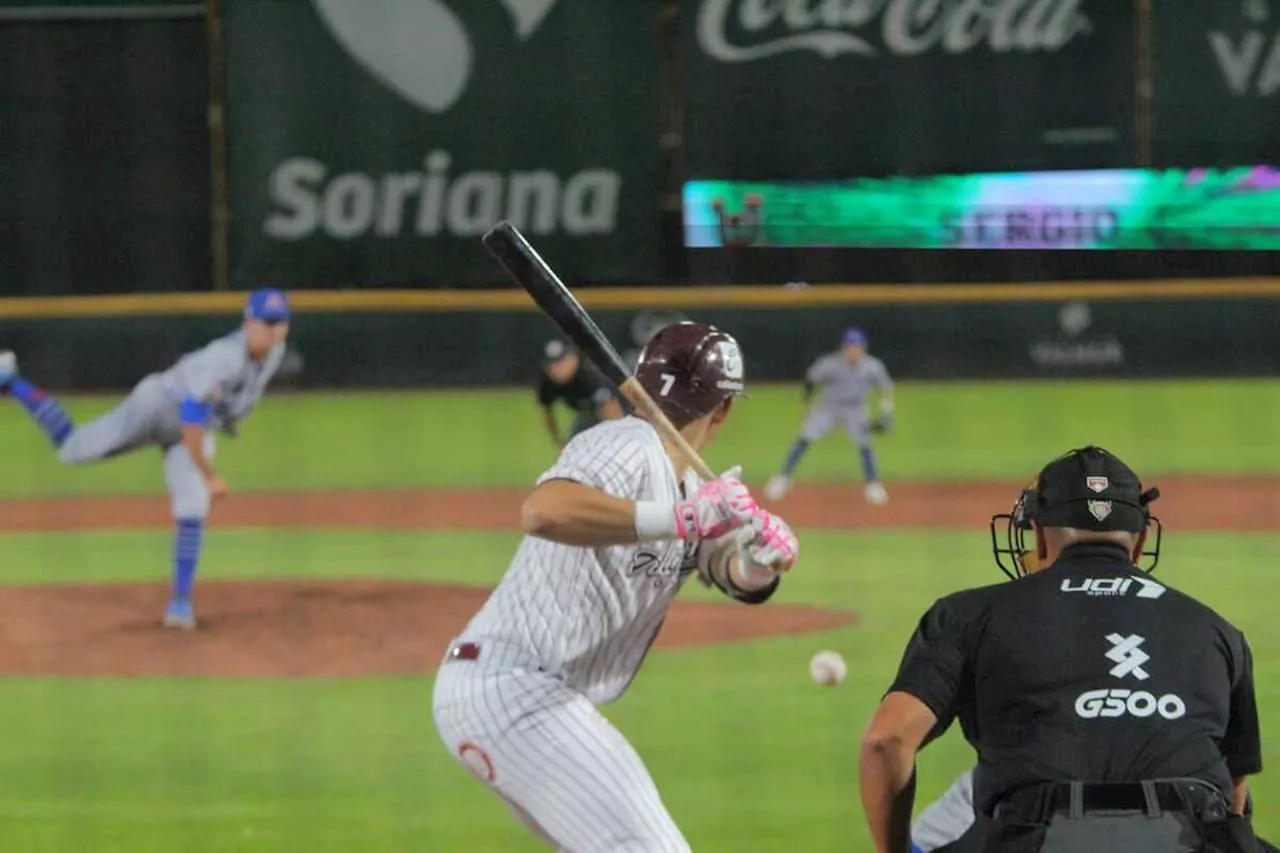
883 423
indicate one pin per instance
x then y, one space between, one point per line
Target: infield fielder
846 378
614 530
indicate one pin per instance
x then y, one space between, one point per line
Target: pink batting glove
718 507
774 546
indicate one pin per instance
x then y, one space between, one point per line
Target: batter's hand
773 546
716 508
217 487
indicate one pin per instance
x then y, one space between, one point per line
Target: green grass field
748 753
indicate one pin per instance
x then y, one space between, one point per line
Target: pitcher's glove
883 423
226 420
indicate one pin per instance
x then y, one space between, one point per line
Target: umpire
579 385
1109 712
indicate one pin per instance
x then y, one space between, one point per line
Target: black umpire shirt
587 390
1090 671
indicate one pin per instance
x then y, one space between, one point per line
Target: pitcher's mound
297 629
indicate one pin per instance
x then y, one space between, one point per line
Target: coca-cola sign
832 89
750 30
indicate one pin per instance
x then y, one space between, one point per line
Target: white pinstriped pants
562 768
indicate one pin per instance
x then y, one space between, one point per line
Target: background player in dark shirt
567 378
1083 671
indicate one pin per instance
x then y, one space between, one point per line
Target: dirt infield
346 629
1188 503
297 629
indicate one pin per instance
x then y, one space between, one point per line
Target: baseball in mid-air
828 667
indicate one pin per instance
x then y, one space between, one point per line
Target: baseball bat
523 263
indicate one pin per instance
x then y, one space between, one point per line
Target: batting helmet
690 368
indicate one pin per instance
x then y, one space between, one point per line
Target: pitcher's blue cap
269 304
854 336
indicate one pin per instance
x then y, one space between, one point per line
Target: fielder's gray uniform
220 373
844 390
565 631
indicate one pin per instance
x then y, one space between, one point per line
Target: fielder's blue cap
268 303
854 336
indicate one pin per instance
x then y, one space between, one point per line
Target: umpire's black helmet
690 368
1088 489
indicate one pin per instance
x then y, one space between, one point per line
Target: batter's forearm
573 514
193 441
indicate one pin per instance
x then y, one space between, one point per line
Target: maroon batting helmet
689 369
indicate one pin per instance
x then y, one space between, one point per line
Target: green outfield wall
457 338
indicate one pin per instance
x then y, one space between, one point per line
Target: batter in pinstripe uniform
613 531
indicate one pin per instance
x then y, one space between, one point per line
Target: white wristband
886 405
655 520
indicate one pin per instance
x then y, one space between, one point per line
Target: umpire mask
1085 489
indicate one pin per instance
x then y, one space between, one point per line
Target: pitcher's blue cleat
180 615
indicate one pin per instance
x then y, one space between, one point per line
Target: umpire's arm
1242 743
918 707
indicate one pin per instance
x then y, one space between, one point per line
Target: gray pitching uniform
220 372
844 389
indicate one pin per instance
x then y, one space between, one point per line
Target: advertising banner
820 89
375 142
1225 209
1216 79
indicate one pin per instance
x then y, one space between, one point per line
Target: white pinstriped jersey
590 614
